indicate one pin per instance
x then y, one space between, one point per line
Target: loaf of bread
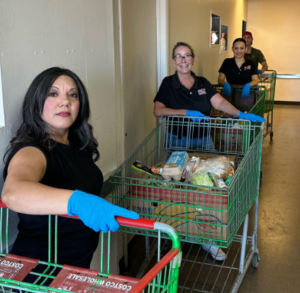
218 165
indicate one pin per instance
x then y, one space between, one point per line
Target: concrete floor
279 233
279 203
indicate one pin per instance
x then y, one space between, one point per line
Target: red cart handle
2 205
139 223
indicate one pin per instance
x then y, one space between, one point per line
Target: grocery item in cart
220 182
139 166
190 167
174 166
204 178
218 165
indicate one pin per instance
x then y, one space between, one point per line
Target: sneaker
216 252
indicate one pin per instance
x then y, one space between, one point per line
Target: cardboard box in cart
194 213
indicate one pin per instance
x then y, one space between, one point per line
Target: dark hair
34 129
238 40
179 44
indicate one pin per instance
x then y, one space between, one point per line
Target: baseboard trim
287 103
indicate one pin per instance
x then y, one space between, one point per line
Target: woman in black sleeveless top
50 169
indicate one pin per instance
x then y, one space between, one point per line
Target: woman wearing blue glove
50 169
238 70
186 94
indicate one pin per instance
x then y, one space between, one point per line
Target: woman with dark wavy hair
35 129
50 169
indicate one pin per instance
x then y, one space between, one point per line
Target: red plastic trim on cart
145 281
2 205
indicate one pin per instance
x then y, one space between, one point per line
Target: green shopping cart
200 214
268 80
53 277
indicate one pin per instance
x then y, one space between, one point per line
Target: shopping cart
255 103
200 215
53 277
268 80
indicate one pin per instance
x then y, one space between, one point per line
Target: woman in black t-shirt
238 70
50 169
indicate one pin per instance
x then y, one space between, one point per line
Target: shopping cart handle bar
139 223
2 205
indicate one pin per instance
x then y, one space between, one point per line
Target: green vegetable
202 179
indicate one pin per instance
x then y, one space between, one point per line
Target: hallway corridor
278 234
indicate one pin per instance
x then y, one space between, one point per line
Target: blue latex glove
195 114
259 71
227 89
96 212
251 117
246 90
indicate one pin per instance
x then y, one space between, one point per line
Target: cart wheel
271 135
255 260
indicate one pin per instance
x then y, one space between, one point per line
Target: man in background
254 54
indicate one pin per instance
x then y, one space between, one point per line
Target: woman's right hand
96 212
227 88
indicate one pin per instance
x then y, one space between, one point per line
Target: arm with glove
219 103
247 86
194 115
97 213
23 193
226 85
251 117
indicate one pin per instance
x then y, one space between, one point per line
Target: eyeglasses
187 57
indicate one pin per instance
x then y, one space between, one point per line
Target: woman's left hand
246 90
251 117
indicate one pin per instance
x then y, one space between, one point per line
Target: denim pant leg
205 142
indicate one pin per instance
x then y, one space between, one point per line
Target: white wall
190 22
139 70
84 35
76 34
275 28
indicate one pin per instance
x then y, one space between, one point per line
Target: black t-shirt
238 76
67 168
176 96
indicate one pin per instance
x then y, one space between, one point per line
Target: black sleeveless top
67 168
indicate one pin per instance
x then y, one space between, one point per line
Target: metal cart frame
255 103
268 80
53 277
172 203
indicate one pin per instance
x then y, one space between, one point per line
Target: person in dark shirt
254 54
238 70
185 94
50 169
